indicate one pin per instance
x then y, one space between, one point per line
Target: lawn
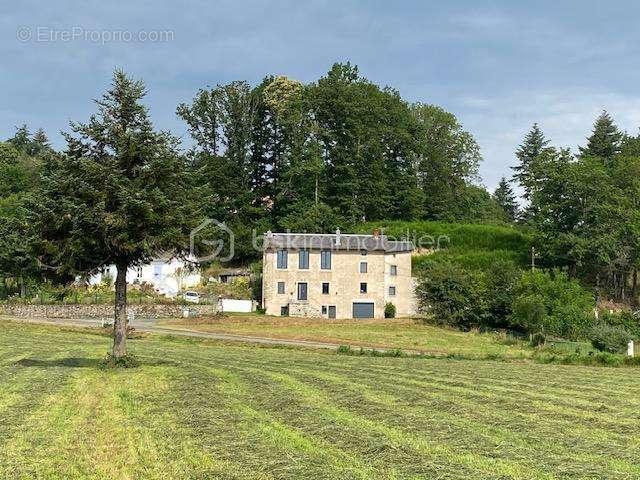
204 410
405 334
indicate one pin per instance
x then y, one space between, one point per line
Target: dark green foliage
329 154
568 307
583 209
605 141
503 297
625 319
505 197
389 310
120 194
609 338
448 160
528 170
451 294
529 313
500 283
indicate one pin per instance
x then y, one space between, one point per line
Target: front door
332 311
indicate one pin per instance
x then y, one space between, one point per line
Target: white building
167 275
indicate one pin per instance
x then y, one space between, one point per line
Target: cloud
500 122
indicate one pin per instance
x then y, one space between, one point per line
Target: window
325 260
363 288
363 267
303 259
280 288
392 291
302 291
325 288
394 270
282 259
284 311
324 309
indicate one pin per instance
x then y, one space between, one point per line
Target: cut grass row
404 334
196 410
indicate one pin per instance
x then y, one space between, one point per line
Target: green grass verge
404 334
194 410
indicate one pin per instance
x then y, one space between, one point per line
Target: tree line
280 155
583 209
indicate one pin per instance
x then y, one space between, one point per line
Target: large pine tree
605 141
528 153
119 195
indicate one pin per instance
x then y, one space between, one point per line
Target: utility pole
533 259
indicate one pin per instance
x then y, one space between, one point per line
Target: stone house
336 275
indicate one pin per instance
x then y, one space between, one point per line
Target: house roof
335 241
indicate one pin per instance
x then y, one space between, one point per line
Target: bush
567 305
501 280
453 295
625 319
609 338
389 310
529 313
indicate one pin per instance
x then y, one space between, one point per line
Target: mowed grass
198 410
405 334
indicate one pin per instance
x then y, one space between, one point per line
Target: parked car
191 297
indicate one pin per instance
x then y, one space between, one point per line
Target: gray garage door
363 310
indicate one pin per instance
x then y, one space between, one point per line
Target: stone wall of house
102 311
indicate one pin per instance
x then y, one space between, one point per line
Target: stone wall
102 311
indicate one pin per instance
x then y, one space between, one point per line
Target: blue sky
499 66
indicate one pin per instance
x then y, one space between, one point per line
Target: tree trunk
23 288
634 288
120 318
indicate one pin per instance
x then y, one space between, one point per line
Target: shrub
625 319
453 295
389 310
501 280
529 313
567 305
609 338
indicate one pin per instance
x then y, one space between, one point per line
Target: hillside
474 246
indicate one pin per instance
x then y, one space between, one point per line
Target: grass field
196 410
405 334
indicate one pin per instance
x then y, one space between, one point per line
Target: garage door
363 310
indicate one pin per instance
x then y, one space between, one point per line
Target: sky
498 66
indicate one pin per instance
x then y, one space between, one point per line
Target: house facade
336 275
168 275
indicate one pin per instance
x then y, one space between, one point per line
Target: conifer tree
528 153
505 197
118 196
605 141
